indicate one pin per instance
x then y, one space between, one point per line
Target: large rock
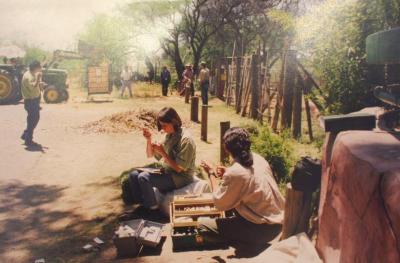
359 206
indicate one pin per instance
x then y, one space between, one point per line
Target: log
224 156
204 122
194 109
297 212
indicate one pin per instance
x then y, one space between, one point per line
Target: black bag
306 176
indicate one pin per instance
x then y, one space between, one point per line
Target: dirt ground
56 199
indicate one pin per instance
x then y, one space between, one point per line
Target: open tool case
133 234
184 212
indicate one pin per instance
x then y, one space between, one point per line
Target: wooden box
184 212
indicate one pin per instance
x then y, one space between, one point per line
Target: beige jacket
252 192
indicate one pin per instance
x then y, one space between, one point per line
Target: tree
332 38
111 39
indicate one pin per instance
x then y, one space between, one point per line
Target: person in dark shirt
165 80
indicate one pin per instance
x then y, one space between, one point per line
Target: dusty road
53 201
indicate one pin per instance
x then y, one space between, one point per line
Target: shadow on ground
29 229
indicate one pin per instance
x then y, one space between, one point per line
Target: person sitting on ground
249 189
178 152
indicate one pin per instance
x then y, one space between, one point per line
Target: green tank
383 59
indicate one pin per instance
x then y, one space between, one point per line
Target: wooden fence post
297 100
224 156
238 81
297 212
279 95
309 120
204 122
288 87
255 96
194 109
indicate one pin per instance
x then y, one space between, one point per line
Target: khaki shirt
28 89
181 148
204 75
253 192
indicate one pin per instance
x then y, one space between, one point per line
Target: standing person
248 187
126 76
204 80
179 154
187 79
165 80
30 90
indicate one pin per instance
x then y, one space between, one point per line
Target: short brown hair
169 115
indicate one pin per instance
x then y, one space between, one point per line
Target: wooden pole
194 109
297 100
255 96
289 83
309 120
238 81
204 122
297 212
224 156
279 95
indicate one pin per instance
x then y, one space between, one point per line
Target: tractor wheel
52 95
64 95
9 89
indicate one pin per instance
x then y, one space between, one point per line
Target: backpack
306 176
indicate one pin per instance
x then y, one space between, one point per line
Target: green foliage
276 149
34 53
110 37
332 35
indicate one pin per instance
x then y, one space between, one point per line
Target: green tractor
55 90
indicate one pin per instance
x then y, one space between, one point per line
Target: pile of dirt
123 122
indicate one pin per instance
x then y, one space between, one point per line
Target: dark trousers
142 184
32 107
165 88
204 92
237 230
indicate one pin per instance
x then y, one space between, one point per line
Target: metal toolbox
133 234
184 213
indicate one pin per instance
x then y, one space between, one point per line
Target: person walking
165 80
30 89
126 76
204 80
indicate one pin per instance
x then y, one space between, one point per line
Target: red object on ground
360 198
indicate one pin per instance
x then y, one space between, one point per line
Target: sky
54 24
